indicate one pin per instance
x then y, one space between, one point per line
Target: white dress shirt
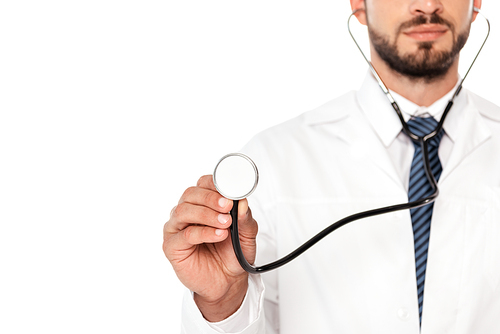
350 155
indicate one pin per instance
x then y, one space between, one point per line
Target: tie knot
422 126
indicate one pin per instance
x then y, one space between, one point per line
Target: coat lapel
374 149
468 132
347 120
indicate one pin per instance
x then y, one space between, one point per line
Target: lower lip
426 36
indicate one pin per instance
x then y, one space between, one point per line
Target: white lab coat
333 162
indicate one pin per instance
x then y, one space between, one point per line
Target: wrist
220 309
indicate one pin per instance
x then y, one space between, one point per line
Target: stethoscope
236 175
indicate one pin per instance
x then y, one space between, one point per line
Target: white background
110 109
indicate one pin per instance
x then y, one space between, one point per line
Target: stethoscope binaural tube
393 102
421 140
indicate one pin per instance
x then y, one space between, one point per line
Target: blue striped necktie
420 188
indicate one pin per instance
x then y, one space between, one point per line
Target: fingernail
223 219
219 232
223 202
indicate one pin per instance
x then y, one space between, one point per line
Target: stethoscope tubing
421 140
311 242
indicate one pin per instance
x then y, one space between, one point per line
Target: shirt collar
384 119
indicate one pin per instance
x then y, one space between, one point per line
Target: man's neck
419 91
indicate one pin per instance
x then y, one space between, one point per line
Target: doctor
377 275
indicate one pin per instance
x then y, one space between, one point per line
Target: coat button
403 314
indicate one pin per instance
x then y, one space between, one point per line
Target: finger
176 246
205 197
206 181
195 235
186 214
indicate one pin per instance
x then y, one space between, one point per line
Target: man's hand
198 245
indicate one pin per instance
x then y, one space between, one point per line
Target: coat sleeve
249 319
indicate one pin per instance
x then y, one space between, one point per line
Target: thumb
247 230
246 224
243 209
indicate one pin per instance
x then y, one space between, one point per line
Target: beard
426 63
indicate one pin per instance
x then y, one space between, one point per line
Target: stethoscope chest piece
235 176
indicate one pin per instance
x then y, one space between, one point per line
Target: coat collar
464 125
